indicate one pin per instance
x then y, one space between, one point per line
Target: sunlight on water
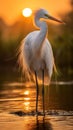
17 106
12 122
26 92
26 99
26 105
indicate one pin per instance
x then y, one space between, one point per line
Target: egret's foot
44 114
40 113
36 114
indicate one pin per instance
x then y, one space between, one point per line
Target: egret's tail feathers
22 62
55 69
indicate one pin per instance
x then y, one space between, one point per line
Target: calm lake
18 100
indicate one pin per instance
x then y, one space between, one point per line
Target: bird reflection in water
42 124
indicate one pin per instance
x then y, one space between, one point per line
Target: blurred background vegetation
60 36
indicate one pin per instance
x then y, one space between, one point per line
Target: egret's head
42 13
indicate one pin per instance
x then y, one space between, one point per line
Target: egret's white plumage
35 53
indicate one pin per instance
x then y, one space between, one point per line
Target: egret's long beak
55 19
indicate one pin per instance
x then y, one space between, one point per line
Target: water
17 97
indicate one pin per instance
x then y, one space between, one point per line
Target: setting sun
27 12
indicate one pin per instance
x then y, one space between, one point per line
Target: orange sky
11 9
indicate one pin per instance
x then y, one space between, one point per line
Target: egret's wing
47 54
22 59
26 53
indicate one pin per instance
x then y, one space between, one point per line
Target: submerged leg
37 90
43 92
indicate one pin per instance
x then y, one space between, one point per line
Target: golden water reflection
26 92
26 105
26 99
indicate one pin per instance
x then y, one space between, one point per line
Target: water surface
17 96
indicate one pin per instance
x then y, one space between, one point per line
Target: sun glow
27 12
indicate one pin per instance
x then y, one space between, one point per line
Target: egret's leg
37 91
43 92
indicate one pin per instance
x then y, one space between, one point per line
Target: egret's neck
40 38
41 24
43 30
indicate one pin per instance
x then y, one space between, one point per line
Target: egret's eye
47 15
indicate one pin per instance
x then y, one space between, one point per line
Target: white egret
35 53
